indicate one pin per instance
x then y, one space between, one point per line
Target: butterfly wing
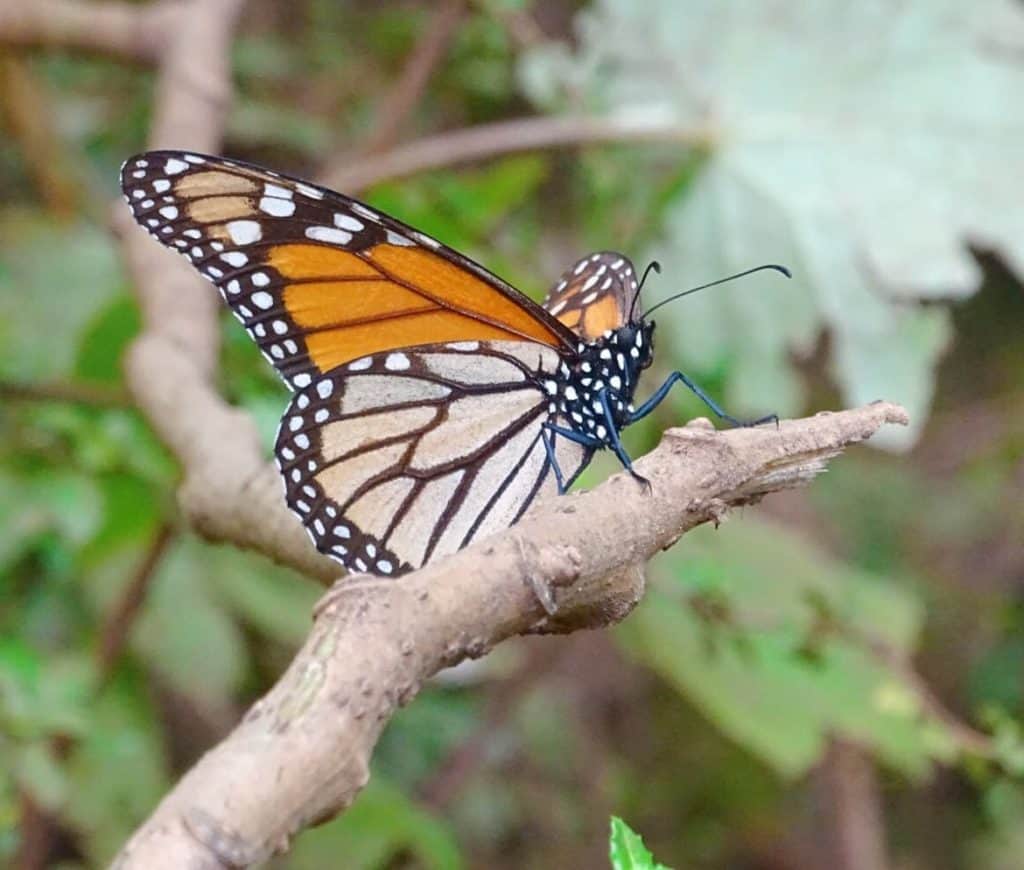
400 457
319 279
594 295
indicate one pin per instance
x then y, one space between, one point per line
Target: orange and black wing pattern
319 279
595 295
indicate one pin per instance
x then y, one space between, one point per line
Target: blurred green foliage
882 606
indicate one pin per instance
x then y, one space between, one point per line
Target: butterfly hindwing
319 279
594 295
403 456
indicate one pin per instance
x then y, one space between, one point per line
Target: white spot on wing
347 222
245 232
330 235
400 240
277 207
396 362
311 192
424 239
365 212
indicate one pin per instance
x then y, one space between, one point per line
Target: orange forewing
388 297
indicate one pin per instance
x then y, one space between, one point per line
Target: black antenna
777 268
656 266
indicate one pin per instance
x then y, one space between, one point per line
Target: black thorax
605 371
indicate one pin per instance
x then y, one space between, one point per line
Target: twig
37 832
856 838
505 137
967 739
35 134
518 23
302 752
408 90
55 391
124 30
118 623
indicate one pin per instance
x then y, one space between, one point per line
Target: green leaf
184 631
627 850
39 772
275 600
117 768
777 644
47 301
105 340
59 500
379 827
836 146
422 735
40 696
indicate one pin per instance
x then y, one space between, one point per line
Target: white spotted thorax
611 365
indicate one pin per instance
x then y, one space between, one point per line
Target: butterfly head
636 341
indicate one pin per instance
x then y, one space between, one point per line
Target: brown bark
302 752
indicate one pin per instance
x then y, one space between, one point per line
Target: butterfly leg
675 378
549 448
616 443
548 433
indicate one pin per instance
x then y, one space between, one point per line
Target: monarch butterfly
432 402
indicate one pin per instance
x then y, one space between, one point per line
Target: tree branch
302 752
504 137
80 392
408 90
854 836
124 30
117 624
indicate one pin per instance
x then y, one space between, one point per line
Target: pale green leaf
38 771
47 301
860 143
184 632
273 599
117 769
779 645
382 824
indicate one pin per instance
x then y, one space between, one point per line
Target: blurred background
833 678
